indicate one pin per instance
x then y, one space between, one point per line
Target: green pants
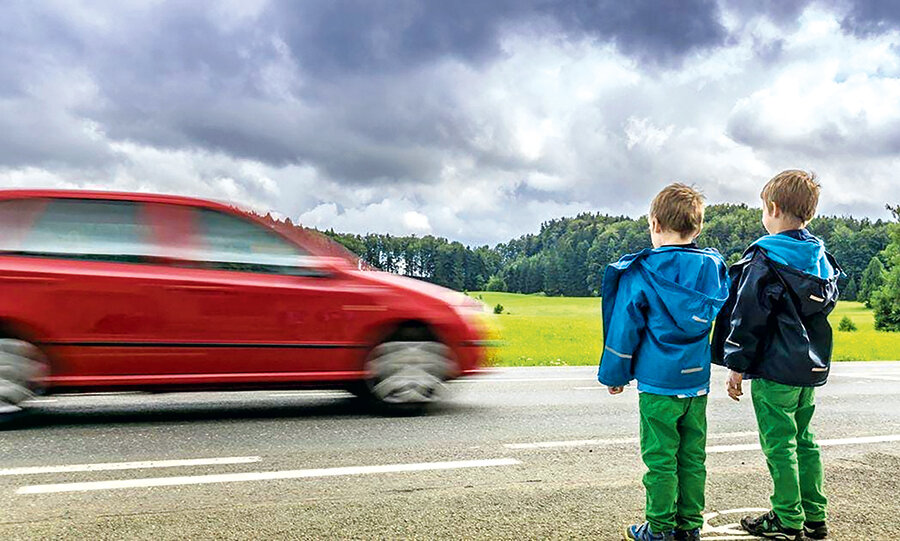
783 413
673 446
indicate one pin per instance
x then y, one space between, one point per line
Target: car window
17 216
173 231
232 243
97 230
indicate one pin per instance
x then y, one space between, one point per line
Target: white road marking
130 465
731 531
822 443
311 394
711 449
867 376
570 443
595 388
508 380
733 448
262 476
622 441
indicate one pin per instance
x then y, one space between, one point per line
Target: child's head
789 200
676 215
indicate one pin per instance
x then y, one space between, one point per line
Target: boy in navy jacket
658 308
775 329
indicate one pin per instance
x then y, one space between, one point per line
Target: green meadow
557 331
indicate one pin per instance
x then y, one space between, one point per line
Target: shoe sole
779 535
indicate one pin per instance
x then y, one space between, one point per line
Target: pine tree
886 300
872 280
850 292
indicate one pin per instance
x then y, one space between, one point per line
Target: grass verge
558 331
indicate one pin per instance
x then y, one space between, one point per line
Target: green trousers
783 413
673 446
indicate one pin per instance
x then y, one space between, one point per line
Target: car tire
22 369
408 376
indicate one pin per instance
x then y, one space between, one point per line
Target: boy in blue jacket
658 308
775 329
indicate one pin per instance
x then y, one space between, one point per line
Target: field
556 331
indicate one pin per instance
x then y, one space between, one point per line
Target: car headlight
477 315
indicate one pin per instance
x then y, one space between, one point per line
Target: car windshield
318 242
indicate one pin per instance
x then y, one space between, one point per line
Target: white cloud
416 221
641 133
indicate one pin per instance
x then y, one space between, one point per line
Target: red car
123 291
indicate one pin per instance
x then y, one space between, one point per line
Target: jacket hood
799 250
692 289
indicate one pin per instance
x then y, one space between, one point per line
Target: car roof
117 196
304 238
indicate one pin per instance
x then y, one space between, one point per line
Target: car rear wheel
22 366
408 374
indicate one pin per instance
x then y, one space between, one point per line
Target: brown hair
678 208
795 192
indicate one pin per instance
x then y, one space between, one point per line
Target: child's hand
616 390
735 385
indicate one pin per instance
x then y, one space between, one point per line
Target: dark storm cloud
849 136
867 17
171 76
779 11
354 35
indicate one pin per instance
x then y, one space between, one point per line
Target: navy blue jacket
775 324
658 307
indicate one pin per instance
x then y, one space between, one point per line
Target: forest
568 256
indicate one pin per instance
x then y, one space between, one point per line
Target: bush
847 325
886 303
498 309
495 283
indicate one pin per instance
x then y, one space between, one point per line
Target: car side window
228 242
84 229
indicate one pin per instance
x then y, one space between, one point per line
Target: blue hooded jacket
658 308
798 249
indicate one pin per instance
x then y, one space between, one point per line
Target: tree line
569 255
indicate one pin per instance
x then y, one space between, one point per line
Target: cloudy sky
471 119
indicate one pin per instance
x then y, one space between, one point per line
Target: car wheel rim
409 372
22 366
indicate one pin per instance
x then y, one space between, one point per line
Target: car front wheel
408 373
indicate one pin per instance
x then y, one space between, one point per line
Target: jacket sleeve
750 315
624 332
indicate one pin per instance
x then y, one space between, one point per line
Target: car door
248 304
75 270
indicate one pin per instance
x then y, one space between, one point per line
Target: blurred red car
121 291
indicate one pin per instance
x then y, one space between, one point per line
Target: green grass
556 331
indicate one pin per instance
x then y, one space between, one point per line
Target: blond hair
678 207
795 192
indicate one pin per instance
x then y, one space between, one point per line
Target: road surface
527 453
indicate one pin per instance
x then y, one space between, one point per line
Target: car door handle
29 279
191 287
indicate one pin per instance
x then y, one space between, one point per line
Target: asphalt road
528 453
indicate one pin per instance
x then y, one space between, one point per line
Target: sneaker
770 527
643 532
687 535
815 530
